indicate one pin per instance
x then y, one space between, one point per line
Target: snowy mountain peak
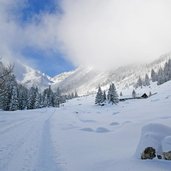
31 77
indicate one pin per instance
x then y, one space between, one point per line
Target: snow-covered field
81 136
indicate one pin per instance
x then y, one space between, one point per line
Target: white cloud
100 33
115 32
11 34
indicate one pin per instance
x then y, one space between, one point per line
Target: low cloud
99 33
108 34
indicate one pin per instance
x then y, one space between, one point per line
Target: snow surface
80 136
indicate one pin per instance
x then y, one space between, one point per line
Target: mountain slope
108 138
86 79
28 76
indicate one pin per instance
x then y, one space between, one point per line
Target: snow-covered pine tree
5 76
22 97
48 97
6 97
104 96
139 82
167 70
160 77
147 80
99 96
153 75
14 103
75 94
112 94
150 94
57 98
37 103
72 95
133 94
45 99
31 98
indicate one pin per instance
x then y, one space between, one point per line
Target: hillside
81 136
86 79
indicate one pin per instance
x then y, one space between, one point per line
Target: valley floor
80 136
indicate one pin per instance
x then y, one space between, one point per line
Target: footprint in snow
127 122
102 130
88 121
87 129
114 123
115 113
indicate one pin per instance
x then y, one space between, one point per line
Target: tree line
161 76
15 96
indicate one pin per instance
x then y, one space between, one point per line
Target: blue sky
51 63
36 7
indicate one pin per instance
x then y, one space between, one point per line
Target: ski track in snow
46 156
26 145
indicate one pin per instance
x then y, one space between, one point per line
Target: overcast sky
64 34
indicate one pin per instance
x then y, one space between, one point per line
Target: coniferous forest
15 96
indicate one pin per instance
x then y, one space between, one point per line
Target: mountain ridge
85 80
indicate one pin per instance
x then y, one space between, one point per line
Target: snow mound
157 136
87 129
102 130
166 144
114 123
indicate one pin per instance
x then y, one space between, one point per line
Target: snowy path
25 143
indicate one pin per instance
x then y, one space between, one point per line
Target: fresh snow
81 136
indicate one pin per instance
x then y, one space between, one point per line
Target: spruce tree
14 103
112 94
133 94
160 77
31 98
76 94
37 103
22 97
147 80
139 82
57 98
6 97
104 96
99 96
153 75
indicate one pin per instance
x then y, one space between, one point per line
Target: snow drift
154 135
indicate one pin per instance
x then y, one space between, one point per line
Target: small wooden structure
144 96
